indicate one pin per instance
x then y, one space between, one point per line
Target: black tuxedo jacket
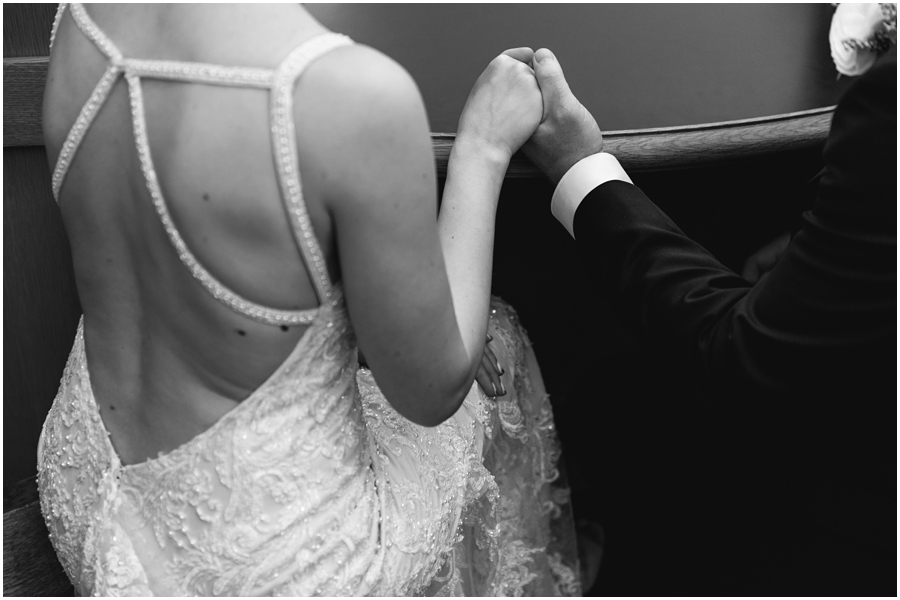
803 364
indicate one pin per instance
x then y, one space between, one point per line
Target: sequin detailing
284 140
280 84
314 485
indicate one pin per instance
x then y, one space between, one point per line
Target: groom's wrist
585 175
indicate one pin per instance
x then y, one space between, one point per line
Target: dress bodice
254 484
315 485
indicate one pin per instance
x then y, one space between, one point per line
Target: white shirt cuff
584 176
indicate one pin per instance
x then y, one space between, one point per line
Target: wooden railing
23 96
689 146
637 149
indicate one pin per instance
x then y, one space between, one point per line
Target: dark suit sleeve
825 316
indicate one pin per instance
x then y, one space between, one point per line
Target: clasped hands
522 101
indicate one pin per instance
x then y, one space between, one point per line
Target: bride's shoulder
360 118
358 95
360 76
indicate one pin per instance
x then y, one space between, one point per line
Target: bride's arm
417 289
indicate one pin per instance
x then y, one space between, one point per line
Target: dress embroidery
314 485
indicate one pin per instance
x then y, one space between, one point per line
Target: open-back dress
314 484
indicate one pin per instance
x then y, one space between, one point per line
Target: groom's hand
504 107
568 132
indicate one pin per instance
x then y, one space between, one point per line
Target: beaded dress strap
155 69
285 147
216 288
59 13
95 34
280 81
194 72
98 96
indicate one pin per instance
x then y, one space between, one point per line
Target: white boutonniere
859 34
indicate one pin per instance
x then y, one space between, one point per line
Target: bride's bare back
166 358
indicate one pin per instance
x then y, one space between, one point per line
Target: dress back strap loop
194 72
59 14
82 123
285 147
98 96
221 293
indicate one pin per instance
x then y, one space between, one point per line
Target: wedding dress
313 485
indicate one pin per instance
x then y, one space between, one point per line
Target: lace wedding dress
313 485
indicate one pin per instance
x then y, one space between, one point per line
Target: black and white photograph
450 299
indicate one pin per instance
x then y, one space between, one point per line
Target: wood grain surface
30 566
23 93
26 28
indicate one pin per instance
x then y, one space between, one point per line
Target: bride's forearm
466 225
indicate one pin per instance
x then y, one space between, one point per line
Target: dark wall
633 65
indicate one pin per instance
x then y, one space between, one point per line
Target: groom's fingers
550 78
524 54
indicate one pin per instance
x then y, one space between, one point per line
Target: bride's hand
504 107
489 372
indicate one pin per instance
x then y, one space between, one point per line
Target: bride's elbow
433 406
424 389
435 415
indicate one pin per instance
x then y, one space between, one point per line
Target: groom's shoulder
885 68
